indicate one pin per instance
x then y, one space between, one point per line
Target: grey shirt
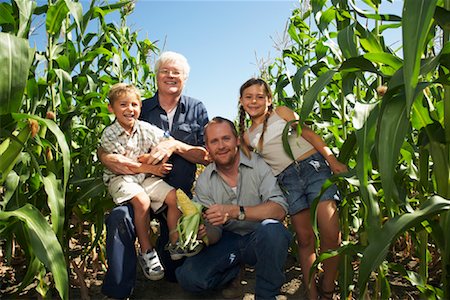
256 185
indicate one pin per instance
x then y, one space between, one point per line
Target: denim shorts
302 181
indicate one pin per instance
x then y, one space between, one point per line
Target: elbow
280 213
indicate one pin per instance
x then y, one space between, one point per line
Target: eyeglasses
173 73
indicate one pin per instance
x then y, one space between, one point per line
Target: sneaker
151 266
177 253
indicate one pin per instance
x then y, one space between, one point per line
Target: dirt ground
145 289
163 289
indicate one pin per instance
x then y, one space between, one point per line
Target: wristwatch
241 216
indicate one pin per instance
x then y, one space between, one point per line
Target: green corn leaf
385 58
417 19
76 10
285 139
56 14
56 202
379 17
60 137
442 17
358 64
15 58
393 126
26 9
347 41
10 156
44 242
376 251
312 94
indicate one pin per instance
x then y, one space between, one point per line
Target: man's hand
218 214
118 163
159 153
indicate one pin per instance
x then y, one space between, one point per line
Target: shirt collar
121 130
182 102
243 161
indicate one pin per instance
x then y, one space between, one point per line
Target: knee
141 203
118 216
120 223
330 240
305 239
189 279
171 199
274 232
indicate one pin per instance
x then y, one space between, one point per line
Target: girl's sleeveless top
273 151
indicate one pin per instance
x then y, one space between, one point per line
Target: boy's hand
119 164
159 170
164 168
201 231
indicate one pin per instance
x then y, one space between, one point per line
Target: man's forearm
117 163
194 154
266 210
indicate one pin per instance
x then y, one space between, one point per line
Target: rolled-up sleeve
269 189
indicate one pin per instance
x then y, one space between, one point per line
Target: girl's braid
266 119
244 146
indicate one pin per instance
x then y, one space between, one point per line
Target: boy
133 138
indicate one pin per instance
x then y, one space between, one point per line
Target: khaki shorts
123 188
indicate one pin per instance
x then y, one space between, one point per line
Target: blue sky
220 40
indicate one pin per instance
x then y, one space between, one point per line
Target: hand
159 153
164 169
201 231
160 170
218 214
337 167
119 164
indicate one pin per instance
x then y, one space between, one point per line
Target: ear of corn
189 222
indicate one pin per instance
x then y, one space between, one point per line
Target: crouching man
244 210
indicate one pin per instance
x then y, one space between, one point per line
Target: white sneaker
151 266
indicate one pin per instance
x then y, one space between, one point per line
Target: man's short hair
221 120
120 89
173 57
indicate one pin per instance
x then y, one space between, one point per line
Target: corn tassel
189 222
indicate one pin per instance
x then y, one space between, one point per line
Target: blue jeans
217 265
120 278
302 181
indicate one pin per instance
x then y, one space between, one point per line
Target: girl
301 180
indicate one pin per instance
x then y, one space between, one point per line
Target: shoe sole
180 256
154 277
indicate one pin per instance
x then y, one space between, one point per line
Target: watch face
241 216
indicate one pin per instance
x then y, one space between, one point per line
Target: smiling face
255 101
171 78
127 108
222 144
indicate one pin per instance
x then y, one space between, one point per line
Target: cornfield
385 111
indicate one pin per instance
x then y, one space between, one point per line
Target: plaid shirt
116 140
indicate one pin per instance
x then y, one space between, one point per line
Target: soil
146 289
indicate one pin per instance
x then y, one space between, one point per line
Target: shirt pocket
189 133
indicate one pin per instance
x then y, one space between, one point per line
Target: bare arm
117 163
162 152
218 214
315 140
161 169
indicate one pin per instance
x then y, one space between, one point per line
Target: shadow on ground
163 289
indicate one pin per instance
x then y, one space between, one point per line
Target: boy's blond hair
120 89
